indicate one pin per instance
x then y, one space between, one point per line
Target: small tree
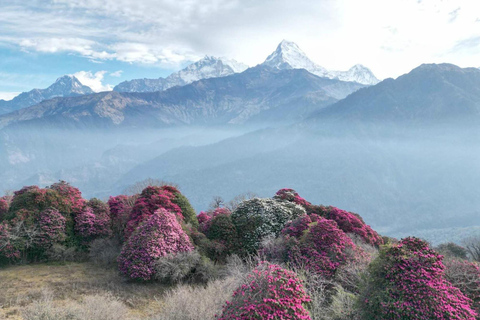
472 245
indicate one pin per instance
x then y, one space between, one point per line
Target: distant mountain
289 56
66 86
259 95
428 92
208 67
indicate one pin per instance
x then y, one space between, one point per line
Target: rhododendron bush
347 221
51 226
157 236
120 209
257 218
150 200
3 208
407 281
323 248
90 225
270 292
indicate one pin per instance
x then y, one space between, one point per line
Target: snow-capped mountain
66 86
289 56
208 67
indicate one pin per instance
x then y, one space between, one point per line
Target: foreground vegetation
149 256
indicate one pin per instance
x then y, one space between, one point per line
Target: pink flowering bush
150 200
351 223
51 226
296 227
407 281
157 236
90 226
71 197
270 292
323 248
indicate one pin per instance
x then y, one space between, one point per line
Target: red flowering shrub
89 225
465 276
160 234
270 293
150 200
33 200
256 219
323 248
51 228
3 208
205 218
407 281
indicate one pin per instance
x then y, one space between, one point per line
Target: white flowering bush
258 218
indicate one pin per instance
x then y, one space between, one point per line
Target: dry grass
22 286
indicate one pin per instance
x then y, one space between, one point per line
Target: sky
105 42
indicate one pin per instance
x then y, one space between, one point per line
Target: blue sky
107 41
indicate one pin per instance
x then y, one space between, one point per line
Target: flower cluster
70 196
150 200
160 234
257 218
323 248
120 208
351 223
270 293
51 227
407 281
90 225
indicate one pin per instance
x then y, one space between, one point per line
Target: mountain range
66 86
257 95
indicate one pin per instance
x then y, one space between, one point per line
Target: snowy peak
289 56
208 67
358 73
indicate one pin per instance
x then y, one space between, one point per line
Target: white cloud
93 80
8 95
116 74
390 37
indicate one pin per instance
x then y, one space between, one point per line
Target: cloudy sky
105 42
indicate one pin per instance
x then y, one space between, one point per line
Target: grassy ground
21 285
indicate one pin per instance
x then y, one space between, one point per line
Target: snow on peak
208 67
288 55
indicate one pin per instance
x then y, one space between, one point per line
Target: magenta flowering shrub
3 208
205 218
159 235
323 248
465 275
407 281
296 227
270 292
150 200
90 226
71 197
51 226
350 223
